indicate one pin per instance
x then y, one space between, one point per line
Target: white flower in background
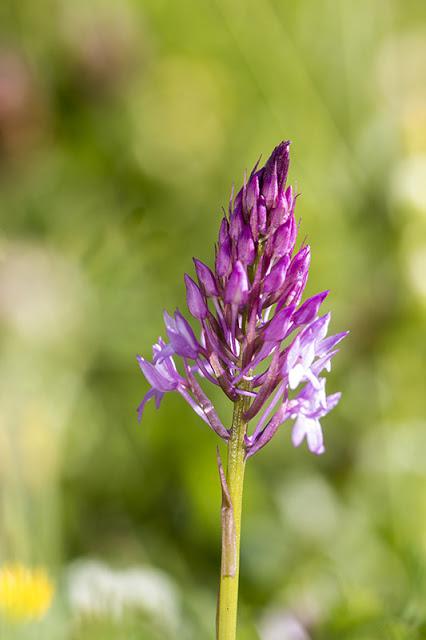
95 588
281 624
42 295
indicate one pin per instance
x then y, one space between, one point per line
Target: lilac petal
180 346
314 437
252 192
254 223
277 328
243 392
246 249
275 279
333 400
236 290
313 396
196 303
279 213
299 431
223 231
296 375
206 279
236 223
323 363
309 309
162 354
185 330
289 196
150 394
168 368
315 331
312 430
300 264
285 237
328 343
158 381
158 398
299 268
293 290
223 259
182 338
293 353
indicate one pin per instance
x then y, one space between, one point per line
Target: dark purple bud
224 258
206 279
236 223
285 237
309 309
261 215
280 241
196 303
279 213
236 290
280 158
246 248
270 187
252 192
254 223
276 278
223 231
296 278
289 197
299 266
277 328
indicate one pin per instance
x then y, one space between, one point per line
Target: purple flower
255 337
309 406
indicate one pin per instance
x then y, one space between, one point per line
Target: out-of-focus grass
122 127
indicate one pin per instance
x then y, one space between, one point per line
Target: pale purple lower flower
309 406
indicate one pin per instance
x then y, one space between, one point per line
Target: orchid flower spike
249 309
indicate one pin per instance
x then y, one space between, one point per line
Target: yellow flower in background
25 594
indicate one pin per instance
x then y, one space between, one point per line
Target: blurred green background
122 128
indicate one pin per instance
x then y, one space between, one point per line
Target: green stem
228 591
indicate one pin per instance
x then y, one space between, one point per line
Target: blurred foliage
122 128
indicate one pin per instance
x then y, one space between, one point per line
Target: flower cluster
257 339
